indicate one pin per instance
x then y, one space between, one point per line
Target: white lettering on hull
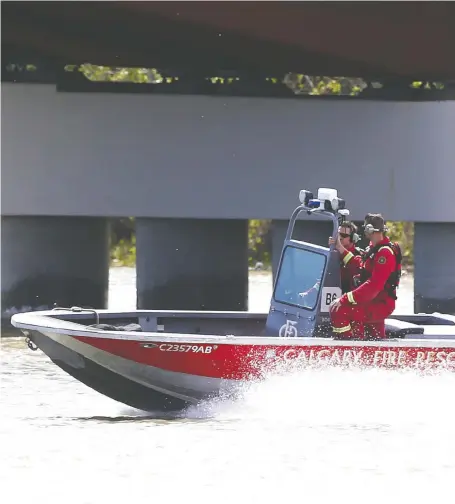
169 347
325 356
381 358
445 359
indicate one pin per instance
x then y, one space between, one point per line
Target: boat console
308 278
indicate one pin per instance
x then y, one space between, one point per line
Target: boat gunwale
46 321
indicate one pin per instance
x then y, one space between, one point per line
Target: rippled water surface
327 436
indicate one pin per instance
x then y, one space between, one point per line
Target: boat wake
340 397
336 433
327 397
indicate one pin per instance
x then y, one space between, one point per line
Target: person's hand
337 243
335 305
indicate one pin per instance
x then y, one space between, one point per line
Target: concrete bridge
193 169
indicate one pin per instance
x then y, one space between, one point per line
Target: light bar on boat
327 200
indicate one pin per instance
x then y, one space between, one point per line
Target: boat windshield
299 278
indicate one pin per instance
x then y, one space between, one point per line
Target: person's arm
351 261
311 290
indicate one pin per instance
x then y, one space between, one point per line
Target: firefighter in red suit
350 254
373 300
350 263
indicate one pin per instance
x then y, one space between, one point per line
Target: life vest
393 282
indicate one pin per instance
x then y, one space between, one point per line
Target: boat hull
153 390
171 372
246 358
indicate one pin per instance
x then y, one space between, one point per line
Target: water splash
353 434
330 396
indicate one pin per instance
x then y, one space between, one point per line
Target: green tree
123 252
259 242
298 83
403 233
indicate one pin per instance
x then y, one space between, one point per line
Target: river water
328 436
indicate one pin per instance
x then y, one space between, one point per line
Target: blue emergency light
314 203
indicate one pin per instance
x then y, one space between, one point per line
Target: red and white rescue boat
167 371
166 360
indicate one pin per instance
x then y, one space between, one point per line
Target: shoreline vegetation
123 243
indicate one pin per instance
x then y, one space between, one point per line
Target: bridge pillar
314 231
434 267
192 264
47 260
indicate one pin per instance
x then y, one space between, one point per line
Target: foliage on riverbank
403 233
260 242
123 239
123 253
298 83
123 242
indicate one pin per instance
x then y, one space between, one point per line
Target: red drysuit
351 263
374 300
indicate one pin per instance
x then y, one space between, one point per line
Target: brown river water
327 436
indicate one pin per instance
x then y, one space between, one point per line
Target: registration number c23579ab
171 347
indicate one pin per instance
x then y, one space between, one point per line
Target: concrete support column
47 260
314 231
434 267
192 264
